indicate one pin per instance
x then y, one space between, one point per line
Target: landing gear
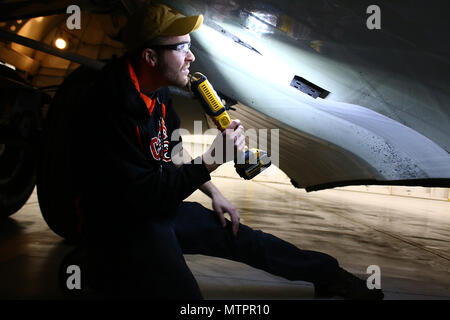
19 135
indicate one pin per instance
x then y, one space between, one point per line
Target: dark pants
148 261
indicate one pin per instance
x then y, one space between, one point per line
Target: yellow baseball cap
155 20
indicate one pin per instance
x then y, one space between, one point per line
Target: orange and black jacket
123 148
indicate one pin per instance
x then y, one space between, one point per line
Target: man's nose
190 56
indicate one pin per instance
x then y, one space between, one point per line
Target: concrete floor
406 237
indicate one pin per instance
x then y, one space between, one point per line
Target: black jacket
123 165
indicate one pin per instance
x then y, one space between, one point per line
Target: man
136 225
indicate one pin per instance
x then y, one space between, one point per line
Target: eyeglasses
181 47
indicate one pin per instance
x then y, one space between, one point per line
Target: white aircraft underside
377 125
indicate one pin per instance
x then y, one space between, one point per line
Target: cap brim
183 26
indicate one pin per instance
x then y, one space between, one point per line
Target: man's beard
176 78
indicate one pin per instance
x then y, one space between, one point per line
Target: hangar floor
406 237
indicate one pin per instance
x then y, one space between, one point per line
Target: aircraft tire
18 125
17 178
56 192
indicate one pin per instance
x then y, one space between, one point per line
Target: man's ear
149 56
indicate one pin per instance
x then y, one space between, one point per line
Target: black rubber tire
55 188
17 161
17 178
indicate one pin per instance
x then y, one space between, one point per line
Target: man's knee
325 262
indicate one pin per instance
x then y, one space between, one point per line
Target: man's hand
219 203
225 146
221 206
